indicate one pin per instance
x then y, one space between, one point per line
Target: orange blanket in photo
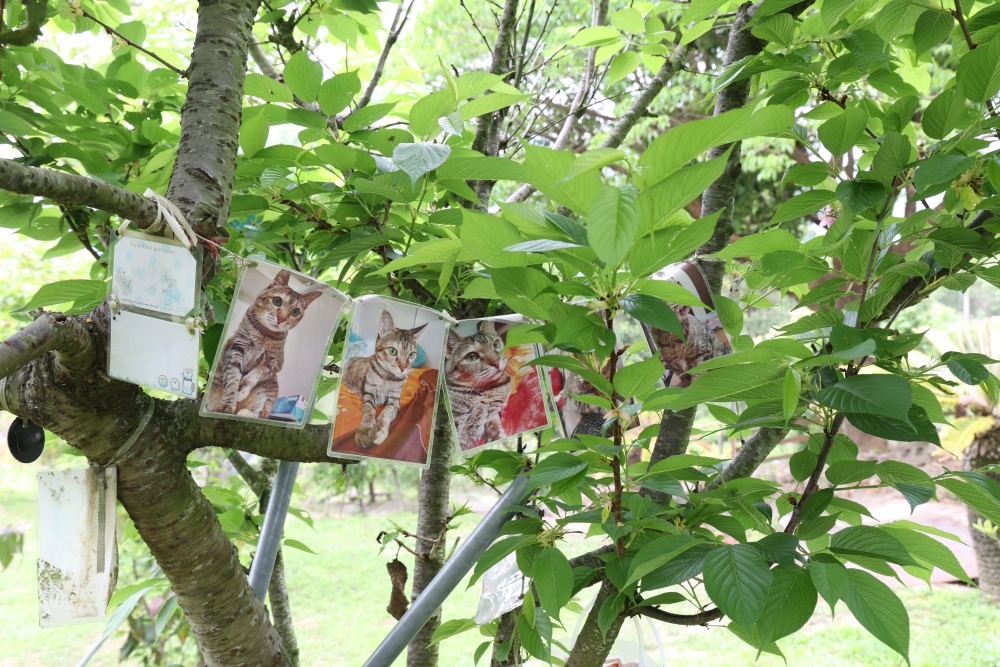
410 431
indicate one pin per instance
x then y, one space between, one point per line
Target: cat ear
281 280
453 340
385 323
309 297
416 332
487 328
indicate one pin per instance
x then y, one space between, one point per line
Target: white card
154 276
154 353
76 572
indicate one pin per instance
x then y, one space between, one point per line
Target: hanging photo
155 274
273 348
492 395
388 394
154 288
77 546
155 353
705 337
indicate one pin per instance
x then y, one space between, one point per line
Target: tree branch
263 64
702 618
751 455
36 12
390 41
63 187
49 331
125 40
813 484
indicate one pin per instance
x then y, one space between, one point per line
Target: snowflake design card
152 273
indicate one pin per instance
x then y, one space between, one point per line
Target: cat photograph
273 347
492 394
704 337
387 398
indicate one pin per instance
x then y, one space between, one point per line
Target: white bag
77 546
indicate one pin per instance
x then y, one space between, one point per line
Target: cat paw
365 437
381 435
227 409
245 389
245 413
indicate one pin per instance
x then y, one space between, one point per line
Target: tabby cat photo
275 343
387 400
492 394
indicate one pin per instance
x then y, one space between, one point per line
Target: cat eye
413 355
276 300
471 356
497 345
295 312
391 350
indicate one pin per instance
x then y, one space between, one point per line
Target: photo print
492 395
274 347
154 288
388 390
703 330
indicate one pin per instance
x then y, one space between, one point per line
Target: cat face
278 307
396 348
477 360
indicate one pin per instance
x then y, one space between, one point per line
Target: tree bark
432 518
505 631
201 184
592 647
985 451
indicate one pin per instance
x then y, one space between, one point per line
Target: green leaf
365 116
418 159
968 371
668 291
253 134
975 497
554 468
622 65
11 123
916 428
803 204
304 76
893 156
791 390
592 160
754 381
612 223
678 190
666 246
652 311
488 236
336 93
295 544
656 553
802 464
497 552
979 71
553 579
490 103
79 292
595 36
531 637
932 28
481 168
845 130
638 379
521 289
791 601
456 626
266 88
861 195
778 28
123 611
829 576
879 611
848 472
730 314
737 580
810 174
778 548
940 169
758 244
425 113
927 549
877 394
872 542
629 20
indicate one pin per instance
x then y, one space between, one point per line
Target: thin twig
390 40
129 42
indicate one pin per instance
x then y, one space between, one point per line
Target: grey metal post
450 576
274 524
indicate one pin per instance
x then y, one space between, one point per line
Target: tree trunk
592 647
505 630
985 451
432 517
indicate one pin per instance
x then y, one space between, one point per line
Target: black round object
25 440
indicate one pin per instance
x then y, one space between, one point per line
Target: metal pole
450 576
274 524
